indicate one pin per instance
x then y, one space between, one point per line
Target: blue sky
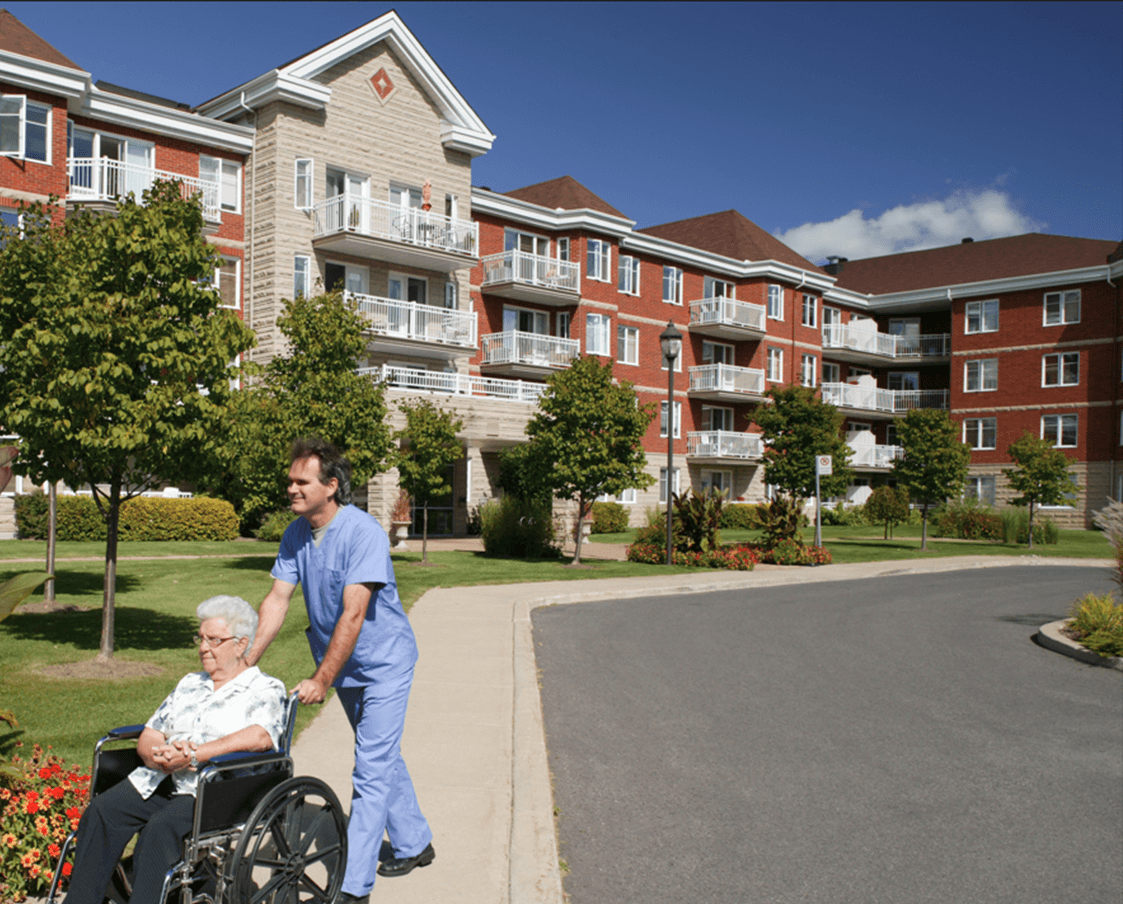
851 129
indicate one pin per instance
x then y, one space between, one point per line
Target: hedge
142 518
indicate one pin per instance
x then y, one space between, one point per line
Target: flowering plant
737 559
38 808
401 511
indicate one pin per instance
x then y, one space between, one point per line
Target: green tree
312 390
796 428
1041 474
586 437
888 506
116 361
934 462
430 447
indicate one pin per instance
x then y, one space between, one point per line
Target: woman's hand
173 757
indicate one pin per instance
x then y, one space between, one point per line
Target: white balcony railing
416 380
873 456
392 222
102 179
531 270
727 312
517 347
419 322
867 398
870 342
724 444
727 378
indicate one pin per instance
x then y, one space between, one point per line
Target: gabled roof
461 127
970 262
15 37
732 235
564 193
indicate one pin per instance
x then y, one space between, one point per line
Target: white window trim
978 433
663 481
598 326
237 306
835 371
777 354
778 292
1060 356
628 273
806 375
980 307
677 427
632 346
222 164
677 278
306 290
1060 321
603 257
814 309
1059 418
980 362
308 176
21 152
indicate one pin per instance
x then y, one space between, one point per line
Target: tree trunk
924 526
1029 527
109 593
580 531
425 533
52 536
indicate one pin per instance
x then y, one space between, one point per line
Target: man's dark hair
332 465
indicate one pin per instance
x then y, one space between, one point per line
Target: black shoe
399 867
345 898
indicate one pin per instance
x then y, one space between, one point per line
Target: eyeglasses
212 642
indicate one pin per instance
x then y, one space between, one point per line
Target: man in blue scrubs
363 645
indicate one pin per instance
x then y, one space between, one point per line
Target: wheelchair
259 836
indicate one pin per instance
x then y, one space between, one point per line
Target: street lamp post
670 340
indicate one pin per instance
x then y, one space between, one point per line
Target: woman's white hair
239 615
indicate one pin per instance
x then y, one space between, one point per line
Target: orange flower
27 860
35 871
31 807
73 812
54 850
10 840
66 868
45 772
57 793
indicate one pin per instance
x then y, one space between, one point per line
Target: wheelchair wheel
293 849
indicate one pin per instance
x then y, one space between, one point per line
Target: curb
1050 637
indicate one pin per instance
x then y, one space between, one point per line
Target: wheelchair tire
293 848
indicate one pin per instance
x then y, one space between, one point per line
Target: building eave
50 78
118 110
265 89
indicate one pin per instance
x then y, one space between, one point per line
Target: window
452 207
598 260
227 175
452 295
1059 429
775 372
810 307
597 340
301 276
1062 369
831 373
716 353
627 497
980 432
627 345
563 255
807 370
513 240
718 288
903 380
226 282
672 285
25 128
663 483
980 376
563 325
628 275
303 188
980 487
719 482
354 279
1062 307
526 321
775 303
982 316
663 419
715 418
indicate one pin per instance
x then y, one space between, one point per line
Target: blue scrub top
354 550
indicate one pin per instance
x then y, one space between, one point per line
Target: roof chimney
967 241
835 264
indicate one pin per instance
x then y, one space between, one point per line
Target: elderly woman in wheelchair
228 707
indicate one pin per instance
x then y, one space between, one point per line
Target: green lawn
155 619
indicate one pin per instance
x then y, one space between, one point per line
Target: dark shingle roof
564 192
730 234
15 37
110 88
1018 255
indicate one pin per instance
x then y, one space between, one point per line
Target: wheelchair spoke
313 831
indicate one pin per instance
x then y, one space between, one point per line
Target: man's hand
310 690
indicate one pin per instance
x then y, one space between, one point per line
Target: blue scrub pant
382 796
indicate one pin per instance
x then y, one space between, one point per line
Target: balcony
723 446
867 399
407 236
415 380
99 180
864 345
526 354
726 383
727 318
406 326
532 277
871 456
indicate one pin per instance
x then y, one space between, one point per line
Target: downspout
248 255
1116 377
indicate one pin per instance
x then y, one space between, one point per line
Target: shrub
783 520
272 527
969 520
742 516
1097 623
1015 527
888 506
142 518
1109 519
39 806
518 528
737 558
699 517
609 518
790 552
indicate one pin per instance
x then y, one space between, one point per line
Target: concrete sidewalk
474 739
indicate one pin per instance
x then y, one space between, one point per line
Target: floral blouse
195 711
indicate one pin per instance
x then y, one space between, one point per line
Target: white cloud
986 214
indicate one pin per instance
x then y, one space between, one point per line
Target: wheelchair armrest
124 732
243 758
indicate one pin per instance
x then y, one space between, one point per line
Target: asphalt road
897 740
